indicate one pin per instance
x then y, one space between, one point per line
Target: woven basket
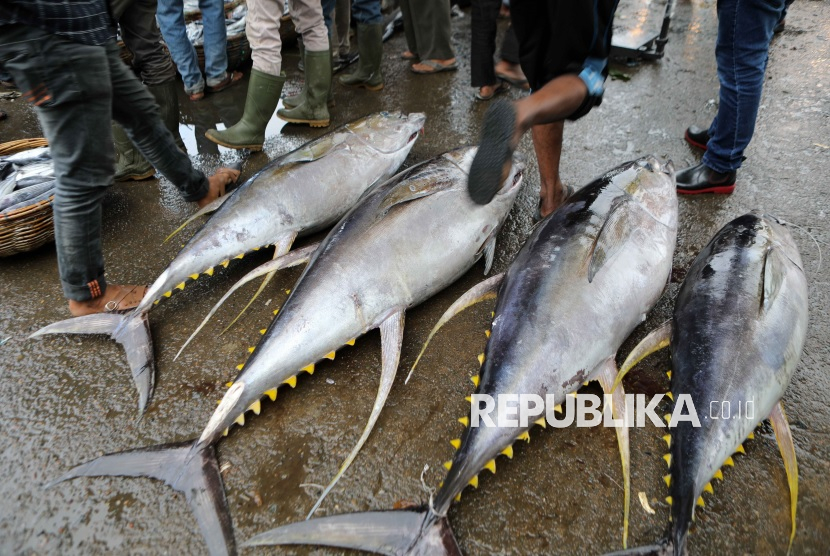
29 227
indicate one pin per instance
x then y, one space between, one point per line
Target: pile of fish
234 25
26 178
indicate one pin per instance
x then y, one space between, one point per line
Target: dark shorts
560 37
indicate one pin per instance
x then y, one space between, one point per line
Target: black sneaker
702 179
697 137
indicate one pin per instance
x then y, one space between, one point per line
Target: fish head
779 236
389 132
653 187
463 158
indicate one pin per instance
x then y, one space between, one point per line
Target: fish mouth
512 182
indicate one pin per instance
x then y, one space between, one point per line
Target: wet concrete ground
64 400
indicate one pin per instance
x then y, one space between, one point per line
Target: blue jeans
77 91
363 11
744 33
171 21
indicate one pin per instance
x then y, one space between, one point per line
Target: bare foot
434 66
217 184
550 203
116 298
409 55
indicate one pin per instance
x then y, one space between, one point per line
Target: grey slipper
494 152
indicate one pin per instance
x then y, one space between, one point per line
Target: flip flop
494 152
537 217
436 67
500 87
518 83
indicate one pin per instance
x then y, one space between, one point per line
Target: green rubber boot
249 132
370 47
129 162
317 87
296 100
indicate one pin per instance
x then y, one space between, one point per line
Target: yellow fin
668 374
487 333
309 369
508 452
241 255
447 465
263 330
708 488
700 501
464 421
156 302
225 263
751 436
180 286
740 450
541 421
330 355
668 500
729 462
492 314
272 393
667 457
255 407
276 311
168 294
194 276
225 432
474 481
667 417
667 438
491 466
240 366
240 420
209 271
458 497
586 383
524 436
469 399
456 443
558 408
572 394
351 342
480 359
291 381
718 475
667 479
670 396
229 384
251 349
475 380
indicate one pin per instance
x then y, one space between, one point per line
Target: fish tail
187 467
132 331
383 532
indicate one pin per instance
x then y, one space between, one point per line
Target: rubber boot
249 132
317 87
370 47
295 100
129 162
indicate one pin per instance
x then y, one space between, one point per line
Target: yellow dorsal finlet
180 286
209 271
291 381
168 294
667 438
708 488
351 342
469 399
729 462
524 436
272 393
309 369
491 466
229 384
670 396
475 380
464 421
480 359
718 475
456 443
256 407
240 420
487 333
667 480
508 452
751 436
241 255
448 465
330 355
225 263
700 502
457 497
668 374
558 408
194 276
251 349
240 366
669 500
263 330
541 421
667 457
740 450
474 481
276 311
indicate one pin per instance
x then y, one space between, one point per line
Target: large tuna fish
364 275
586 277
736 336
299 193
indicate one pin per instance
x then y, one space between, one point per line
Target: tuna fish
364 275
739 325
299 193
584 279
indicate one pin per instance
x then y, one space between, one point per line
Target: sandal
487 171
436 67
537 217
517 82
499 87
232 78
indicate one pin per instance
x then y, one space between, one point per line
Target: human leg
483 42
171 21
216 41
547 143
433 31
368 74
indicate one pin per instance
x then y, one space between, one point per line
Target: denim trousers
171 21
745 29
77 90
367 12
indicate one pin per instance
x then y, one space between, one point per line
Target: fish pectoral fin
775 269
312 151
390 532
656 340
195 473
281 247
207 209
391 339
132 331
784 436
485 290
294 258
614 233
606 380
